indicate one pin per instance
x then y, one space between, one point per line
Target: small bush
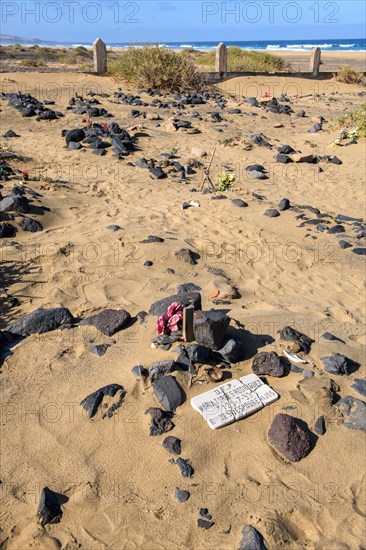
43 51
86 67
348 75
154 67
226 181
190 52
239 60
82 52
17 48
32 63
67 59
355 119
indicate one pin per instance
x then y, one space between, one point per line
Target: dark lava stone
49 509
319 426
239 202
204 523
284 204
100 349
268 363
252 539
336 364
75 135
336 229
286 435
7 230
344 244
33 226
172 445
74 146
108 321
180 495
139 371
272 213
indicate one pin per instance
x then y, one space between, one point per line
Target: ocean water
329 44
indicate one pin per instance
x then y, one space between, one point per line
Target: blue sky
183 21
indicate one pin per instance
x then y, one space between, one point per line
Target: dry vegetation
246 61
154 67
348 75
43 56
355 119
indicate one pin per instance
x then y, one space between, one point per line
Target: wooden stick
206 172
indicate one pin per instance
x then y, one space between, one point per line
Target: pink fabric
169 322
174 320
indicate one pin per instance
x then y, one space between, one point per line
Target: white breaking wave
308 46
347 45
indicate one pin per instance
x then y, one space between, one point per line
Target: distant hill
10 39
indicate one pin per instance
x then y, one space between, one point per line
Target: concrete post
221 58
100 56
315 61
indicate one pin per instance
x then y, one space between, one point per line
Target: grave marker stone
221 58
315 61
100 56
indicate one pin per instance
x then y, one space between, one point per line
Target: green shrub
239 60
355 119
86 67
226 181
154 67
348 75
83 52
67 59
32 63
43 51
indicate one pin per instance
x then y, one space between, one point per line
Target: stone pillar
221 58
315 61
100 56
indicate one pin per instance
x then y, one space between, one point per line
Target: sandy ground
330 60
298 61
118 480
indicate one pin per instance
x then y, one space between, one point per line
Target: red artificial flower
174 308
174 320
161 324
168 322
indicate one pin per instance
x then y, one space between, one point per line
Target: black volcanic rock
168 392
39 321
290 334
49 509
268 363
92 402
108 321
185 298
286 435
160 421
210 328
